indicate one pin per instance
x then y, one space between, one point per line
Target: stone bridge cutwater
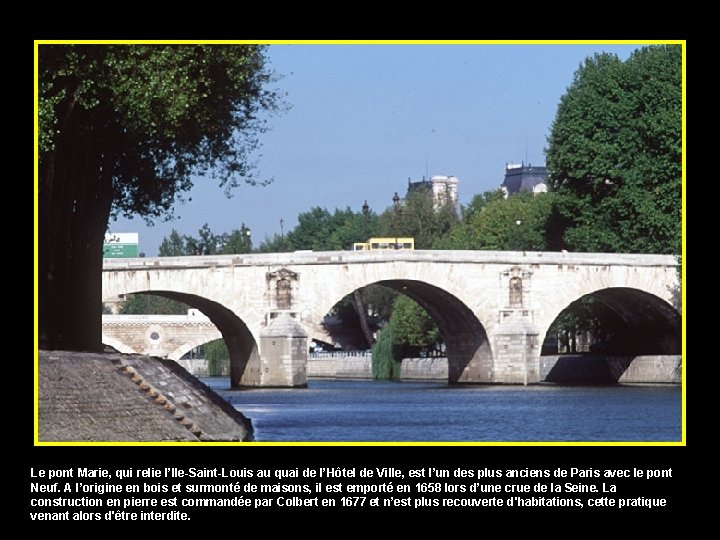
494 309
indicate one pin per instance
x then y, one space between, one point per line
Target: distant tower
520 177
443 189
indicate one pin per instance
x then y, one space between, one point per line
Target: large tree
150 304
412 329
125 129
418 217
238 241
173 245
206 243
319 230
615 153
490 222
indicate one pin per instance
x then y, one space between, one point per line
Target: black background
683 490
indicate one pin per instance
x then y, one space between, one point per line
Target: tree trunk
360 309
75 198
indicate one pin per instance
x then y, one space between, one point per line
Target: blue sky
365 118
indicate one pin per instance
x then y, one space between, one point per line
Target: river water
362 410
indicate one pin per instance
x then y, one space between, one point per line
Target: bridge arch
188 346
650 324
633 337
468 348
118 345
241 344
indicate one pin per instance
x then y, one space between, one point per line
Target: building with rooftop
444 189
520 177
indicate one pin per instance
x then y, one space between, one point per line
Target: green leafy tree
378 301
351 227
458 237
238 241
412 329
151 304
125 129
173 245
312 231
218 358
207 242
276 244
480 202
319 230
491 223
417 217
615 153
384 363
366 308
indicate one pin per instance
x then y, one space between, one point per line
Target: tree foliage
615 153
274 244
206 243
152 304
384 363
377 301
173 245
126 129
166 112
238 241
320 230
218 358
417 217
413 330
490 223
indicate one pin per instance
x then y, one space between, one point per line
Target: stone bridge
493 308
166 336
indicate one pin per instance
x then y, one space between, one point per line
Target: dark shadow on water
592 370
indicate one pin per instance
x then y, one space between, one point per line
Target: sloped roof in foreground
118 397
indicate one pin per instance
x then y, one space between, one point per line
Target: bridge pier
470 359
283 355
517 351
514 358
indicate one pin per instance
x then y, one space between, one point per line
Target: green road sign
119 251
121 245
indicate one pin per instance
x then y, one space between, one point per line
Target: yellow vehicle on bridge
376 244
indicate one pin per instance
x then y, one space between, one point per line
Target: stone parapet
360 367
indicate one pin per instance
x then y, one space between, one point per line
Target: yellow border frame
37 43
